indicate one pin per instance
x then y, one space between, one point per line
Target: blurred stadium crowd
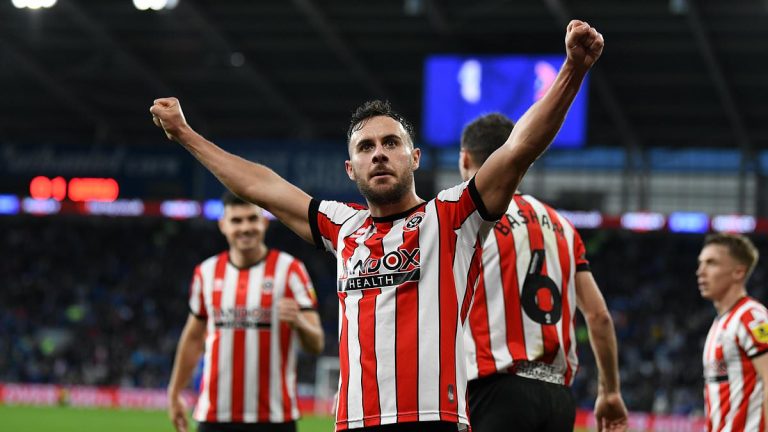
108 308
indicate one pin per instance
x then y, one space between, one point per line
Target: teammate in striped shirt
521 347
735 364
405 265
250 309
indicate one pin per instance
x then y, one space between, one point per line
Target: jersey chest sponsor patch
391 270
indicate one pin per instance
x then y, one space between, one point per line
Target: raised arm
500 175
249 180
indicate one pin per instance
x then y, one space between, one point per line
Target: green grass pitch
63 419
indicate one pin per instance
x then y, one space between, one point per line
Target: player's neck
249 257
408 202
731 297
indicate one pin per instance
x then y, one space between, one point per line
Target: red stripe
342 413
549 334
481 332
327 228
238 350
343 402
265 338
286 334
407 340
749 379
475 269
213 378
366 324
709 359
448 310
511 290
565 269
367 336
725 391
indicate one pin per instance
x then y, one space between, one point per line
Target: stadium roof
674 73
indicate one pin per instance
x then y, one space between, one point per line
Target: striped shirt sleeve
196 296
300 286
580 253
754 335
326 219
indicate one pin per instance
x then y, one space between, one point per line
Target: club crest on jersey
267 286
759 331
414 221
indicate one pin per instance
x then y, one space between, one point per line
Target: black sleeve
198 316
314 209
478 200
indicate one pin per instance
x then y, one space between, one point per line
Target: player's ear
416 155
350 171
740 272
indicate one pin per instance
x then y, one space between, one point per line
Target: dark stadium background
676 123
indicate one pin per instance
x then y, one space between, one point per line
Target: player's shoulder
756 308
281 254
452 193
749 310
211 260
339 212
331 204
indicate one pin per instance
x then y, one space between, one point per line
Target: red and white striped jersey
405 283
249 372
733 391
522 315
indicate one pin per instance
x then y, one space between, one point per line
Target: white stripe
429 318
570 238
755 409
275 371
226 343
203 402
251 361
354 389
496 303
386 336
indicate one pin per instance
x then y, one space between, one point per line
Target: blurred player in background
521 346
250 308
735 364
406 267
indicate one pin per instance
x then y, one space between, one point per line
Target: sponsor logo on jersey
393 269
242 318
716 371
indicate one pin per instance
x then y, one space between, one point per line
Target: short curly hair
485 134
375 108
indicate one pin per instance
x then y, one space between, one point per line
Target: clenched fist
166 113
583 44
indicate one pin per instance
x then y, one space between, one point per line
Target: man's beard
390 195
